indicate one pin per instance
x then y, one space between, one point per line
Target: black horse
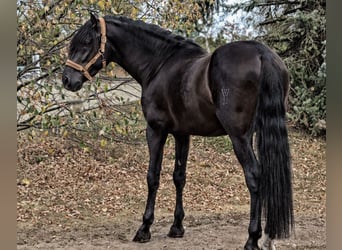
238 90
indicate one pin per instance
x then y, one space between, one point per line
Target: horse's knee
152 181
179 178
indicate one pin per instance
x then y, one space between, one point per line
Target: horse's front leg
156 139
179 177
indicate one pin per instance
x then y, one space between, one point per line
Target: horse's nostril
65 80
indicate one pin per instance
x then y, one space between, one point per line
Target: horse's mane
151 30
161 39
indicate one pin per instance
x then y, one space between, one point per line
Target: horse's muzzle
71 86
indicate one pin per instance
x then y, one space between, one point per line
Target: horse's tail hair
273 148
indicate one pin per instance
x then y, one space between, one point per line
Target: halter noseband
84 70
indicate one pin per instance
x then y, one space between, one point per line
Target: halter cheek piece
84 70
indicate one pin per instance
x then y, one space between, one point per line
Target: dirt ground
215 231
69 198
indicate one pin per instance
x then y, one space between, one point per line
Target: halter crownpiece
84 70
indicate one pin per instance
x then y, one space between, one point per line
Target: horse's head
85 54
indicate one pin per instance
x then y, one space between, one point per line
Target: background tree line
295 29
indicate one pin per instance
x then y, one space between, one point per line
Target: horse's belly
198 122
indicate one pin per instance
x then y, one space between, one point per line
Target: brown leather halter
84 70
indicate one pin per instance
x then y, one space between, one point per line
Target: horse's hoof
268 243
251 246
176 232
142 236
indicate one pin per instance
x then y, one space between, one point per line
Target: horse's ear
94 19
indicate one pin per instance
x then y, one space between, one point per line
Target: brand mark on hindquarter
224 93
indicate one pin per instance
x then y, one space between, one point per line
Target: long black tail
273 149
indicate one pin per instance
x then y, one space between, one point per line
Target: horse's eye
87 41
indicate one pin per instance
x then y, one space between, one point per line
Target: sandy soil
219 231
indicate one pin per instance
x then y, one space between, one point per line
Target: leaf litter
62 185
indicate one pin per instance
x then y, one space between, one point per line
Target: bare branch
36 79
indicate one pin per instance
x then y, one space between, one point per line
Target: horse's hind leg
240 133
268 244
246 157
156 139
179 177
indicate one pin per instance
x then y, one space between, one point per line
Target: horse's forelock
85 32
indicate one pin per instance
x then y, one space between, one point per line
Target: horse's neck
143 57
137 57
